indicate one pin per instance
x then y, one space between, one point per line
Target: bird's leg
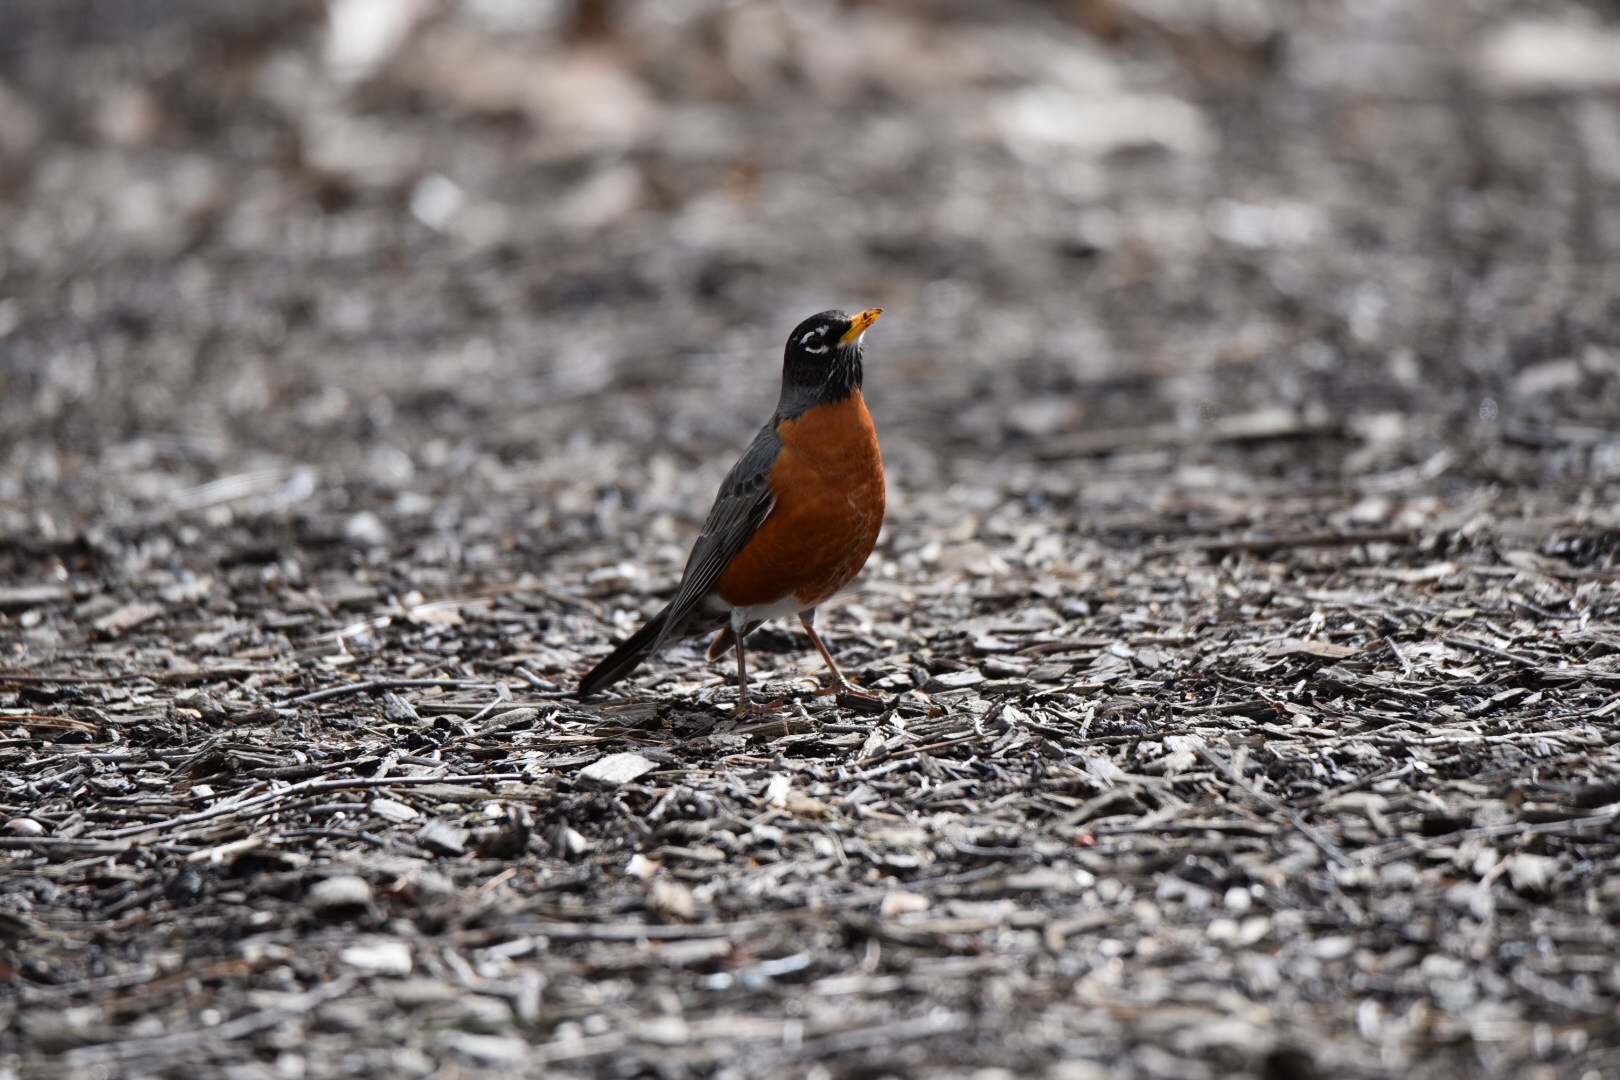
838 686
745 703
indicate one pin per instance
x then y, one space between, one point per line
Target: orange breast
828 483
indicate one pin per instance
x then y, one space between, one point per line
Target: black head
822 362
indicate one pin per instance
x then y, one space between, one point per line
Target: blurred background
518 272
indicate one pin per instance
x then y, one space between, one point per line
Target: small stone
385 957
643 867
616 769
340 891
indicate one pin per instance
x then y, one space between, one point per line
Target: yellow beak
858 325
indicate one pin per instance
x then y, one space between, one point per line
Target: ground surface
1249 604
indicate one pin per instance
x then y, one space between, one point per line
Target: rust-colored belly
829 491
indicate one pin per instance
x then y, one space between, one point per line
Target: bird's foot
831 686
750 707
850 696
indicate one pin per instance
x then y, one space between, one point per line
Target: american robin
795 518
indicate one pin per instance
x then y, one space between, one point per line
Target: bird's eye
804 340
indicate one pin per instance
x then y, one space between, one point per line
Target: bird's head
822 362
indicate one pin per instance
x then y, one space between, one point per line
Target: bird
793 523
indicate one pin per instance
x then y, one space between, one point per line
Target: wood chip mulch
1247 613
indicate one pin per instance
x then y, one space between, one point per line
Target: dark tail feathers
626 658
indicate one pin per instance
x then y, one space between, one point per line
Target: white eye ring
820 331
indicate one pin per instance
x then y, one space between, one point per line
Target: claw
844 692
844 688
849 696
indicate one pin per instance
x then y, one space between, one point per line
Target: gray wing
744 501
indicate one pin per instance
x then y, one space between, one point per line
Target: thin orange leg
838 686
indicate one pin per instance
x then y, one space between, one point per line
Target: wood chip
616 769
